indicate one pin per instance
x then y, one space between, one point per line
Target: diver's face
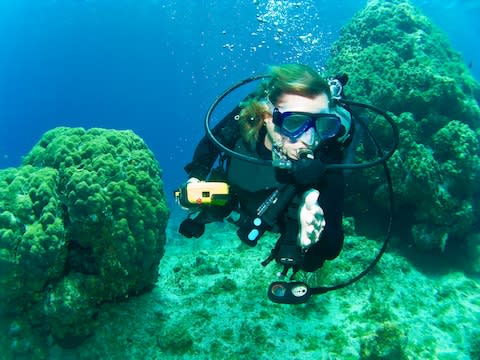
292 102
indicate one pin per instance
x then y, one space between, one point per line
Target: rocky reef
210 302
82 222
398 60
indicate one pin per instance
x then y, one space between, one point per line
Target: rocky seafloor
210 302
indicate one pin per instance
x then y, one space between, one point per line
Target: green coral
398 60
32 237
82 222
456 147
70 304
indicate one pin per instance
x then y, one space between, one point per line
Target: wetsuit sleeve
206 153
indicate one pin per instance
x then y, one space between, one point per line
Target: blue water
155 66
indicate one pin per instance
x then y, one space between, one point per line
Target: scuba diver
295 130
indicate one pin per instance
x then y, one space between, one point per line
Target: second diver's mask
308 127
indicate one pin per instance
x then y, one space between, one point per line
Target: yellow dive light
202 193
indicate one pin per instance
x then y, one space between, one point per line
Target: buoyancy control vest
247 176
252 183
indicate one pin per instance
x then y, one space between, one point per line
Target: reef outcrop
399 61
82 222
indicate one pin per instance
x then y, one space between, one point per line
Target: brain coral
82 222
398 60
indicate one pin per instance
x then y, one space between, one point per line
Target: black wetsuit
252 183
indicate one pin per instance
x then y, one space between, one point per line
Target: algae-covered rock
33 248
399 61
82 222
388 342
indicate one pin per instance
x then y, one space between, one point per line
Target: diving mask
297 124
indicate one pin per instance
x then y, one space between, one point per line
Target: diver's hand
192 180
180 195
311 220
191 228
307 171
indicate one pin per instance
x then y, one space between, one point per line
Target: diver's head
299 99
294 105
301 122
